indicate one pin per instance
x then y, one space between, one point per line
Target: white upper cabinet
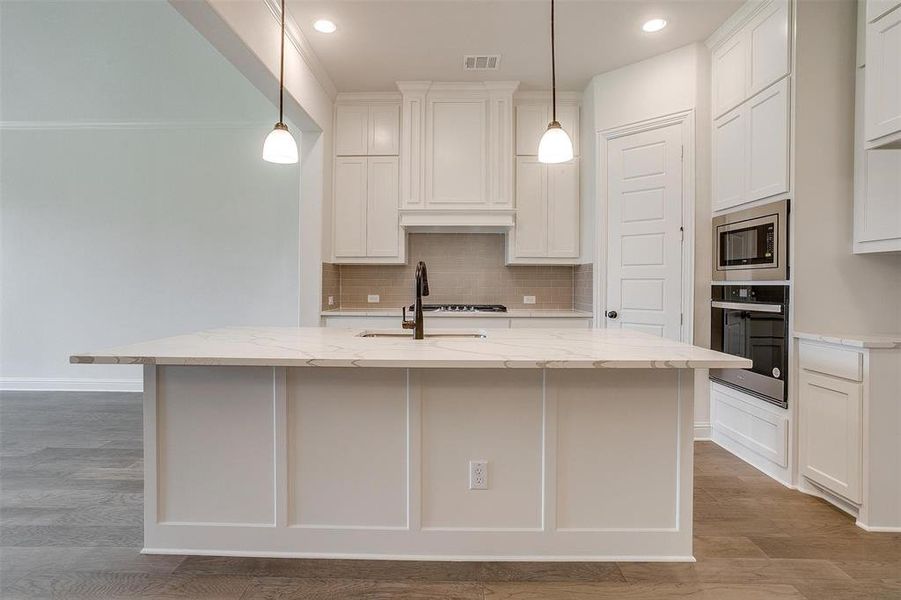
768 35
730 74
382 232
531 208
349 237
728 164
754 57
563 210
883 82
547 213
750 92
457 154
365 210
367 129
768 143
532 120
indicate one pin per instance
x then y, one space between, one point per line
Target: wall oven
752 321
752 244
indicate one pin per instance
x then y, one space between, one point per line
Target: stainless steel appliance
752 321
494 308
752 244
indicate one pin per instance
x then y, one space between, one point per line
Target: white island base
583 464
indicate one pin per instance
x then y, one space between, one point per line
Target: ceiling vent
481 62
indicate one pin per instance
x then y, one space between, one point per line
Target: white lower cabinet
380 322
547 213
831 433
751 149
849 424
365 212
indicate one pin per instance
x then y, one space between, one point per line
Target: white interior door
644 237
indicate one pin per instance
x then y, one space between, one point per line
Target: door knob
611 314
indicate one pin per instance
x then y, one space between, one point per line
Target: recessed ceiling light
325 26
654 25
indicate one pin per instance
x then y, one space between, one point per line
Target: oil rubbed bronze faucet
421 287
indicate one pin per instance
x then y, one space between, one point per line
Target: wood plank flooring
70 528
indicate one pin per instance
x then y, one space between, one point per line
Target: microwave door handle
748 306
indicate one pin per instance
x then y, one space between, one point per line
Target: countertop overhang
340 347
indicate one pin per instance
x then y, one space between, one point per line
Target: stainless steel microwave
752 244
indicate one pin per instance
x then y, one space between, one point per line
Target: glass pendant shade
280 146
555 145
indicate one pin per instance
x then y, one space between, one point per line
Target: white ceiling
379 42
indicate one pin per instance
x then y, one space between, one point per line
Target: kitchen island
321 442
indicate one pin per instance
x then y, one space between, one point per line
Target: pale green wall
133 199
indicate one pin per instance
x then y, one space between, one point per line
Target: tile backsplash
465 268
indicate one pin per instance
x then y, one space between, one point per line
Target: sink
434 333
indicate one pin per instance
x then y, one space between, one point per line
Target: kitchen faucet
421 287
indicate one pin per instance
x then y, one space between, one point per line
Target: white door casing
644 231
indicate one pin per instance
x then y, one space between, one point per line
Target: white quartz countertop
888 340
514 313
343 347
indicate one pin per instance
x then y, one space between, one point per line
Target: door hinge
682 155
681 319
682 234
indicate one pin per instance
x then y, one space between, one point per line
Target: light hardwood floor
71 508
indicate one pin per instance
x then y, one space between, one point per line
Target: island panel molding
372 463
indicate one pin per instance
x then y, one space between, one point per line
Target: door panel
768 142
531 123
729 135
563 209
644 245
384 129
382 198
730 74
350 206
531 207
351 130
769 42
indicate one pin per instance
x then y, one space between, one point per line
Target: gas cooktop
495 308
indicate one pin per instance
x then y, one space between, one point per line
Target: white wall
663 85
834 290
134 200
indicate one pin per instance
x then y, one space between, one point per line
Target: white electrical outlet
528 299
331 300
478 474
373 298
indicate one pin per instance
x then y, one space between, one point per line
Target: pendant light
555 145
280 146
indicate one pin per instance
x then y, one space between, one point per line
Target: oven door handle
748 306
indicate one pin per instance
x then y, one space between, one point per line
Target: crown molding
303 47
344 97
130 125
735 22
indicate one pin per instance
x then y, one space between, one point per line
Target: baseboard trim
703 432
56 384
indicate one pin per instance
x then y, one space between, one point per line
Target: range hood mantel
497 220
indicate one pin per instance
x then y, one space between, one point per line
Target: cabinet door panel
831 421
730 74
456 171
531 208
350 207
729 135
563 209
531 123
381 208
568 116
351 130
769 46
768 143
883 83
384 129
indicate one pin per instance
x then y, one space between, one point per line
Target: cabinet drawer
847 364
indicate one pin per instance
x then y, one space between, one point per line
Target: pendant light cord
281 71
553 69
